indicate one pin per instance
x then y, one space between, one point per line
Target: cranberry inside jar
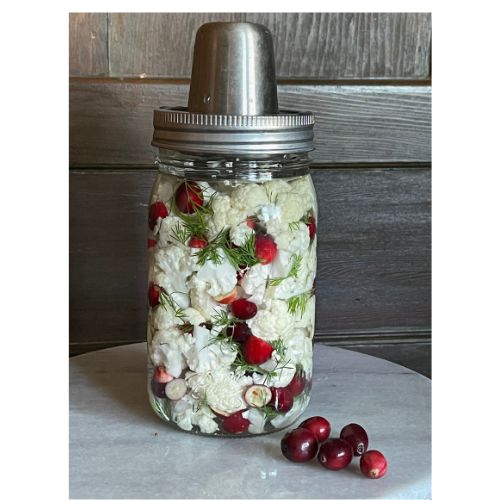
231 303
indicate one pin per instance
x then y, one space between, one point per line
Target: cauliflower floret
284 369
292 207
307 319
164 318
193 316
257 420
173 266
206 355
248 198
294 240
168 348
254 282
225 216
272 321
202 301
221 278
276 187
167 228
304 187
239 234
269 212
182 413
224 394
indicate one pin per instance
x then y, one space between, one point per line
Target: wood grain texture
373 255
88 44
111 122
156 44
330 46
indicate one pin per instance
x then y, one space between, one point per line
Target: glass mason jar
232 249
232 264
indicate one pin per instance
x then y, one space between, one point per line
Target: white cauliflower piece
225 216
202 301
182 413
275 187
284 368
257 420
239 234
173 267
248 198
254 282
269 212
167 229
272 321
292 207
168 348
224 394
206 355
221 278
304 187
193 316
294 240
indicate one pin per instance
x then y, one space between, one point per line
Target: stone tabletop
120 449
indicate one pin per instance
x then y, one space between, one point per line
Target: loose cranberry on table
240 332
299 445
243 309
157 210
311 224
188 197
235 423
296 386
265 248
319 426
154 292
197 242
373 464
281 399
256 350
357 437
335 454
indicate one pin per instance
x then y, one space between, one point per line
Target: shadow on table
120 375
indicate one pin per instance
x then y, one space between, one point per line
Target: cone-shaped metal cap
233 70
233 103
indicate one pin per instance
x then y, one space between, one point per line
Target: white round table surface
120 449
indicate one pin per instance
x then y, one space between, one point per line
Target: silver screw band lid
286 132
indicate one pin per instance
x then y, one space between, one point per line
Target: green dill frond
222 318
293 273
180 233
166 301
294 226
279 347
298 303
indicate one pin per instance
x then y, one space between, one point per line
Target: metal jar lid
233 103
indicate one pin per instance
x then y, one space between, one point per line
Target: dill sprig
269 412
298 303
181 233
222 318
166 301
294 226
273 198
243 255
279 347
293 273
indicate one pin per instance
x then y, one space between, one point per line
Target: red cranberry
299 445
156 210
151 243
296 386
243 309
335 454
311 224
265 248
161 375
357 437
252 222
197 242
373 464
281 399
158 388
319 426
154 292
256 350
188 197
235 423
240 332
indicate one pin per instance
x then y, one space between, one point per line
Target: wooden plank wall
367 78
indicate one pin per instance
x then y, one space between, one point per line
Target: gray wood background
367 78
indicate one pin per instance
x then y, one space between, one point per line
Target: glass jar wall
232 265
